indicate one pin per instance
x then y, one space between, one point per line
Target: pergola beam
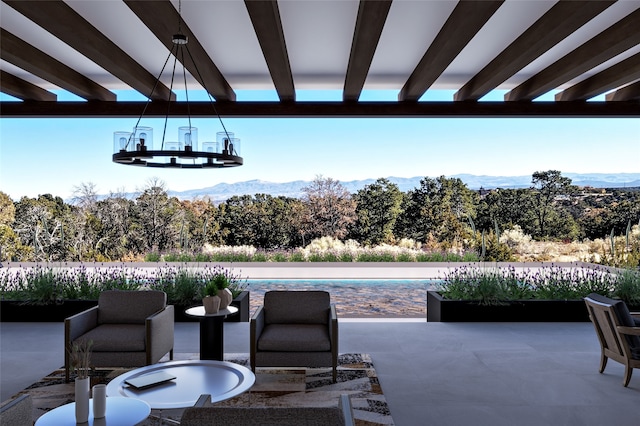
62 21
22 89
560 21
25 56
162 20
615 76
463 24
265 17
626 109
611 42
372 14
627 93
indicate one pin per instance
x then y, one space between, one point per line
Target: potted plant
210 299
224 293
80 356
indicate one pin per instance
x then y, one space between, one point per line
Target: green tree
377 209
438 208
507 207
7 210
548 187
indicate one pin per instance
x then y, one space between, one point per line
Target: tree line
442 212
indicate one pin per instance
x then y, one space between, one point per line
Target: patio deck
431 373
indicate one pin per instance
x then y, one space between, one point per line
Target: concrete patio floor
431 373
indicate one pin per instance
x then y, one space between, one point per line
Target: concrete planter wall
443 310
17 311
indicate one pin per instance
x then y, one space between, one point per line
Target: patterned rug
274 387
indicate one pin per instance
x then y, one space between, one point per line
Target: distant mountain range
223 191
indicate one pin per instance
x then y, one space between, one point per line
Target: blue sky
40 156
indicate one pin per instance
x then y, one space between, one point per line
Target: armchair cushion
117 338
295 338
308 307
129 307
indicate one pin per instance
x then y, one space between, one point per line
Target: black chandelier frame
140 155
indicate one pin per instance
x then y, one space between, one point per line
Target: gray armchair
203 414
127 328
618 332
295 329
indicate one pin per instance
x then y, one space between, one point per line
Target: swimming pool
357 297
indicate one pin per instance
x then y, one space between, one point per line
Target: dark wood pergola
580 49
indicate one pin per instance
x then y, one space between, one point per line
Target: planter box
443 310
19 311
241 302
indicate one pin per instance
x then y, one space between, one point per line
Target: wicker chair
203 414
295 329
127 328
618 332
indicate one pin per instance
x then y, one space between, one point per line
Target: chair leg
603 362
171 355
66 374
335 374
628 371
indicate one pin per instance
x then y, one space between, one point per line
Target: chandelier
137 148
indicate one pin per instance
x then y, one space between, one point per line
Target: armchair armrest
256 325
159 334
333 328
78 324
630 331
74 327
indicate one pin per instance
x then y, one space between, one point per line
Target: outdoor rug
274 387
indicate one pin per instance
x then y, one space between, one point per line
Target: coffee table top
220 379
120 411
198 311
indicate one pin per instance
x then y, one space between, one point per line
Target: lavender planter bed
443 310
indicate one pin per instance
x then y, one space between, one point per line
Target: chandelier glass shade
138 148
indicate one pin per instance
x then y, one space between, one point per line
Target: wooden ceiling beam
265 17
560 21
22 89
627 93
323 109
162 19
463 24
622 73
372 14
62 21
25 56
611 42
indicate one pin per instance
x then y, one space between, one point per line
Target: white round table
220 379
120 412
211 331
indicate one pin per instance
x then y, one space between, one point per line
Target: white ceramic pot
226 297
82 400
211 304
99 395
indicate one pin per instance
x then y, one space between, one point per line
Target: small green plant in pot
210 298
222 283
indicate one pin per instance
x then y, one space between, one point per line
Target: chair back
297 307
607 314
129 307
